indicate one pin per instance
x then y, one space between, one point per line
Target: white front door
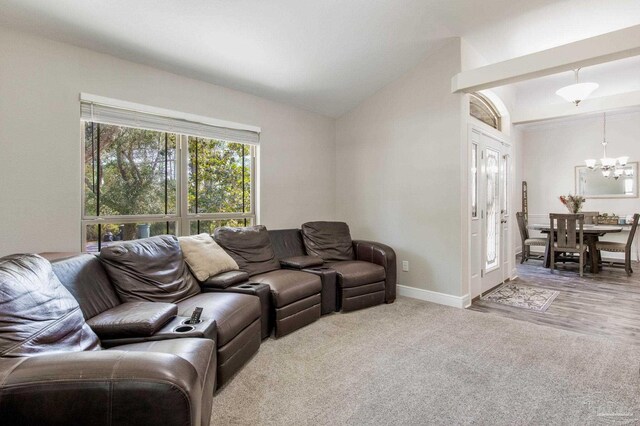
490 222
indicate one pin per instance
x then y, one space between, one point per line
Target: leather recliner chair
295 295
54 370
365 270
289 250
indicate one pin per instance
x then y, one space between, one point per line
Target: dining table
591 234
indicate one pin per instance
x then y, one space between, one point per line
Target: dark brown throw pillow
329 240
151 269
250 247
37 313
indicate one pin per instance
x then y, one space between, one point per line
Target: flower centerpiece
573 203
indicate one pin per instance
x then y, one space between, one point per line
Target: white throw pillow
205 257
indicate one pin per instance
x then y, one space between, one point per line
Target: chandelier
577 92
611 167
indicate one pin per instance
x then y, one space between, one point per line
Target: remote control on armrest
195 316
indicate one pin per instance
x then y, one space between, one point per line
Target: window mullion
253 184
166 176
243 182
166 173
131 218
183 185
98 178
98 187
219 216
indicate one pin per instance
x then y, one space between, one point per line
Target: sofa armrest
382 255
224 280
262 291
132 319
301 262
328 295
100 387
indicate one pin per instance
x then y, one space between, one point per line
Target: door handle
503 221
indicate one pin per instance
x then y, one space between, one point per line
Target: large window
140 182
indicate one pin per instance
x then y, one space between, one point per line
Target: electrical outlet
405 265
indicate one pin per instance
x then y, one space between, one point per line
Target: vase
572 208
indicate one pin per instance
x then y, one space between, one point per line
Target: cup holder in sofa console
245 286
184 328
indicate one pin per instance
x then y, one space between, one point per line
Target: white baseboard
434 296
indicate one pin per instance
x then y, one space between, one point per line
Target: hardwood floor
604 304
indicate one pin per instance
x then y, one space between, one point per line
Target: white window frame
182 218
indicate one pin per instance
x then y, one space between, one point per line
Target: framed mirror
591 183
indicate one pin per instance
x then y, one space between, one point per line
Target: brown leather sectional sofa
112 335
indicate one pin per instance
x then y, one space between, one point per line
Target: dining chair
527 242
620 247
567 233
590 218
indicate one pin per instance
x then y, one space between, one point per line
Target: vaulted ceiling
325 56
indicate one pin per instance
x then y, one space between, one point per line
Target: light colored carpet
522 296
414 362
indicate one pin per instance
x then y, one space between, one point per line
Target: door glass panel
504 180
493 208
474 180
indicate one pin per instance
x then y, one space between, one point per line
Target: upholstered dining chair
526 241
620 247
567 233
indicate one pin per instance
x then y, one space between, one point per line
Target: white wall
516 138
40 154
552 150
399 171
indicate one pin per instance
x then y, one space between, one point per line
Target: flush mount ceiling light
611 167
577 92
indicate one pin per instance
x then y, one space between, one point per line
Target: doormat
520 296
